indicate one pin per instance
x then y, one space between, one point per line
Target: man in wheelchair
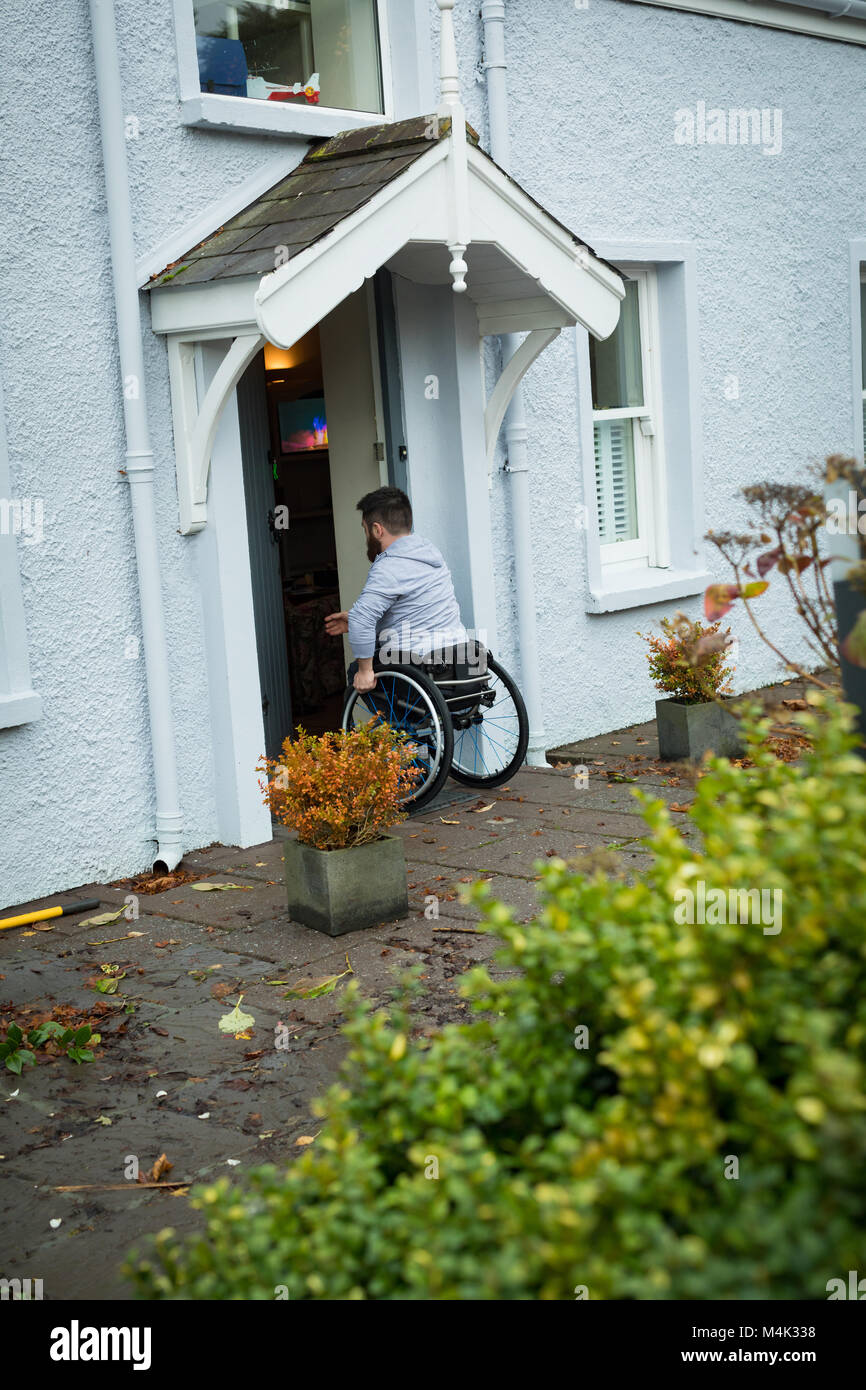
407 611
417 669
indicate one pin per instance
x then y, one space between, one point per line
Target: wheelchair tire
413 702
472 777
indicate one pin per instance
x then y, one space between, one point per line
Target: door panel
264 557
353 433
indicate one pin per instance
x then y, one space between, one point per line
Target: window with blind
625 410
863 345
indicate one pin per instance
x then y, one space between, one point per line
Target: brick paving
165 1079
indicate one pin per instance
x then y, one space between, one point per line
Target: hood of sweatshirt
413 547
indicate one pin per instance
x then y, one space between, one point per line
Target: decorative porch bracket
512 374
195 425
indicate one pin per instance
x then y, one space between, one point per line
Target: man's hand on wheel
336 624
365 680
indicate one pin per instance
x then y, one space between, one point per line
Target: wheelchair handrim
487 750
419 721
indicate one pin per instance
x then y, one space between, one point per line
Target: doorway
310 445
302 525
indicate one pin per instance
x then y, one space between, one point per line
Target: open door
264 556
311 449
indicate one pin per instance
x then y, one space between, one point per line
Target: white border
791 17
210 109
608 591
19 703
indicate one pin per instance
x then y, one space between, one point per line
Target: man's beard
374 548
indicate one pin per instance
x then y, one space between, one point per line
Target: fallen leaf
215 887
478 810
104 920
675 806
305 1139
448 822
237 1021
102 1120
158 1171
316 987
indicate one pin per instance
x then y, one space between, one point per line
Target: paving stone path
166 1079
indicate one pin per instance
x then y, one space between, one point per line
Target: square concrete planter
690 731
342 890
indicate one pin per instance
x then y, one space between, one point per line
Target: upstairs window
301 52
625 413
863 345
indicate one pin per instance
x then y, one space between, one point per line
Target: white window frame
650 549
19 703
209 109
859 359
609 588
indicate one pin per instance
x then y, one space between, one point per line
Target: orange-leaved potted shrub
688 664
340 792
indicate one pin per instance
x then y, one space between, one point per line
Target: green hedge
564 1168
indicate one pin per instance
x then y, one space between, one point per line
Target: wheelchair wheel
492 745
407 699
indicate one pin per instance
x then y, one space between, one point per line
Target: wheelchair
460 709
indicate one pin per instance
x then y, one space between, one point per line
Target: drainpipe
516 433
139 456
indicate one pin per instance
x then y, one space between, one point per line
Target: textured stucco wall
76 788
592 95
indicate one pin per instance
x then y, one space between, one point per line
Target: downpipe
516 432
139 455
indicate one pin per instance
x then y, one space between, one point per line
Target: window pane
863 333
299 51
615 481
615 364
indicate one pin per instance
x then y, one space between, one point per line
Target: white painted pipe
516 433
139 456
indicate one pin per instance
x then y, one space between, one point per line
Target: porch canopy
418 197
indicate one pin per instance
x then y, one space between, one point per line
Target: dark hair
390 507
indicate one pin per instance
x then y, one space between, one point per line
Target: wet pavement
166 1079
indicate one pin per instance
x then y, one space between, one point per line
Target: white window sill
634 588
19 709
210 109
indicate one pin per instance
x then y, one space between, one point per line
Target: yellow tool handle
30 917
59 910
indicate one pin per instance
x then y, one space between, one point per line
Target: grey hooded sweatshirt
407 603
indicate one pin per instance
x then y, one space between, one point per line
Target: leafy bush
798 521
18 1047
689 661
340 789
504 1160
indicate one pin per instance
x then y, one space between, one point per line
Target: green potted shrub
688 664
642 1106
340 792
